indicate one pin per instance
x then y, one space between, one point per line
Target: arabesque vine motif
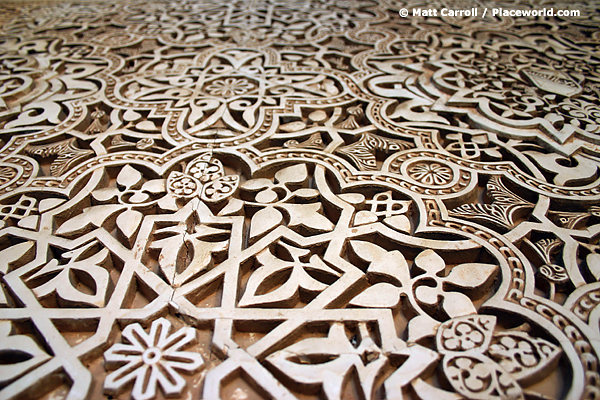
298 199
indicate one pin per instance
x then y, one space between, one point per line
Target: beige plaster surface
303 199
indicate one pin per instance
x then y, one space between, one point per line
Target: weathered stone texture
299 199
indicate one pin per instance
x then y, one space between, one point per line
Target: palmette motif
298 199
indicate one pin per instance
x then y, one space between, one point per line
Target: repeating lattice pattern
299 199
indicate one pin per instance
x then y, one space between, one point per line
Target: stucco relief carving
298 199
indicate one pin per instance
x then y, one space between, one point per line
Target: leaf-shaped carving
485 212
472 275
184 255
154 186
49 204
307 194
593 262
131 116
256 184
147 143
368 251
380 295
505 204
296 174
469 333
205 168
457 304
263 221
168 202
308 216
17 253
364 217
328 361
67 152
565 174
569 220
524 357
279 282
382 262
182 185
128 223
362 153
267 196
430 262
18 354
36 112
294 126
421 326
105 194
172 252
95 216
501 195
425 391
469 276
147 126
398 222
129 177
220 189
233 207
65 280
353 198
315 141
202 258
475 376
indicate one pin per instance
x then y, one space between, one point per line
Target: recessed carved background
309 199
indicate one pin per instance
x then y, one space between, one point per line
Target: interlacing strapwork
308 199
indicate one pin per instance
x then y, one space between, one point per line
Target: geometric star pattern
301 199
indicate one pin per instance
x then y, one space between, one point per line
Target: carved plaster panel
303 199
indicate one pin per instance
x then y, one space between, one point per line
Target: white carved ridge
298 199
